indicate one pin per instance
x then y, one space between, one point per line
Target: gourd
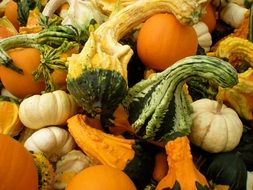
236 46
239 97
216 127
45 170
101 177
10 123
135 158
68 166
100 87
52 108
226 169
180 163
18 170
233 14
245 148
204 36
54 142
158 108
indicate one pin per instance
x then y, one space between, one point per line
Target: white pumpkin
216 127
53 108
53 141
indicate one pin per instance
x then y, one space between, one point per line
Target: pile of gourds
126 94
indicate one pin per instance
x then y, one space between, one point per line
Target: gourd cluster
144 93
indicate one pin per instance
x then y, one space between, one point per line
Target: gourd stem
56 35
219 105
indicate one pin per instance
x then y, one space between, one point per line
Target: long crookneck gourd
97 76
158 108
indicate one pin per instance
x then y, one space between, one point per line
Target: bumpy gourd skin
240 96
234 46
179 162
103 51
158 108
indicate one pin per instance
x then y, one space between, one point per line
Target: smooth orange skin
162 41
22 85
209 18
101 177
18 170
11 12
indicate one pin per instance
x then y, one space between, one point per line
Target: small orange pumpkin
100 177
17 168
163 40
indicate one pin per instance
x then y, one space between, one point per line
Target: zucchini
158 108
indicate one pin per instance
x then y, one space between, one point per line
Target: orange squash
181 167
100 177
11 12
163 40
161 166
209 18
17 168
22 85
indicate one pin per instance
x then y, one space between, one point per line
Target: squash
245 148
174 38
101 177
10 123
238 47
204 36
54 142
182 170
240 96
216 127
233 14
134 157
18 170
159 109
69 165
52 108
225 169
100 87
45 170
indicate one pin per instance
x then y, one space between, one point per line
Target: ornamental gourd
182 171
216 127
97 76
101 177
53 108
54 142
18 170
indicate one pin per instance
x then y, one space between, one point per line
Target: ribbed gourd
97 76
159 109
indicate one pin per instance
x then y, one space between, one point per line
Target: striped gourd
97 76
158 107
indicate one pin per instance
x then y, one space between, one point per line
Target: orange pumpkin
163 40
100 177
22 85
209 18
17 168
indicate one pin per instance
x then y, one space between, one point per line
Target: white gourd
69 165
53 108
233 14
216 127
53 141
204 36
